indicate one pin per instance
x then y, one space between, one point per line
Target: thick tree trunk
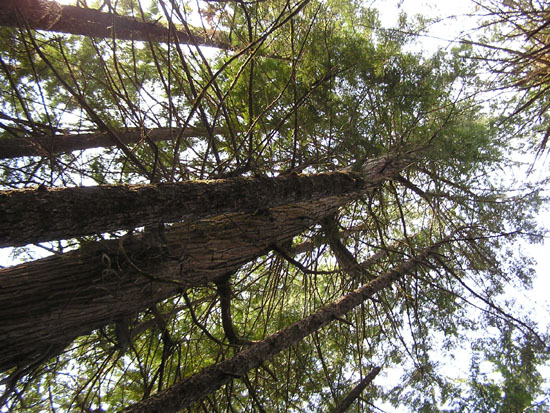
210 379
36 215
47 303
51 16
49 145
356 391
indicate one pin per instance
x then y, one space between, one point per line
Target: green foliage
515 48
326 90
504 373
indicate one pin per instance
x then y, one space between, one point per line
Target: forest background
352 97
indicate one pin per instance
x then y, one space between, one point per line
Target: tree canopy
267 206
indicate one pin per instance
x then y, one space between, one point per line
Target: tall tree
52 16
50 145
74 293
32 216
196 387
182 271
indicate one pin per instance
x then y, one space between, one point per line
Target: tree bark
36 215
210 379
356 391
49 145
52 16
344 257
47 303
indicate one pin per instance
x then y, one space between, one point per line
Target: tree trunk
344 257
210 379
48 145
51 16
356 391
47 303
36 215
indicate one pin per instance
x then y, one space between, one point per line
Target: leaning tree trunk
52 16
47 303
49 145
210 379
36 215
356 391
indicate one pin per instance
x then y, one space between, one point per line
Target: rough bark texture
51 16
36 215
210 379
47 303
356 392
49 145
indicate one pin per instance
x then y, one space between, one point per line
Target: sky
442 34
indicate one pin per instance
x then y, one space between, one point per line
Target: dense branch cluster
253 206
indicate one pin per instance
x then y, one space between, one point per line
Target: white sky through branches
456 19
